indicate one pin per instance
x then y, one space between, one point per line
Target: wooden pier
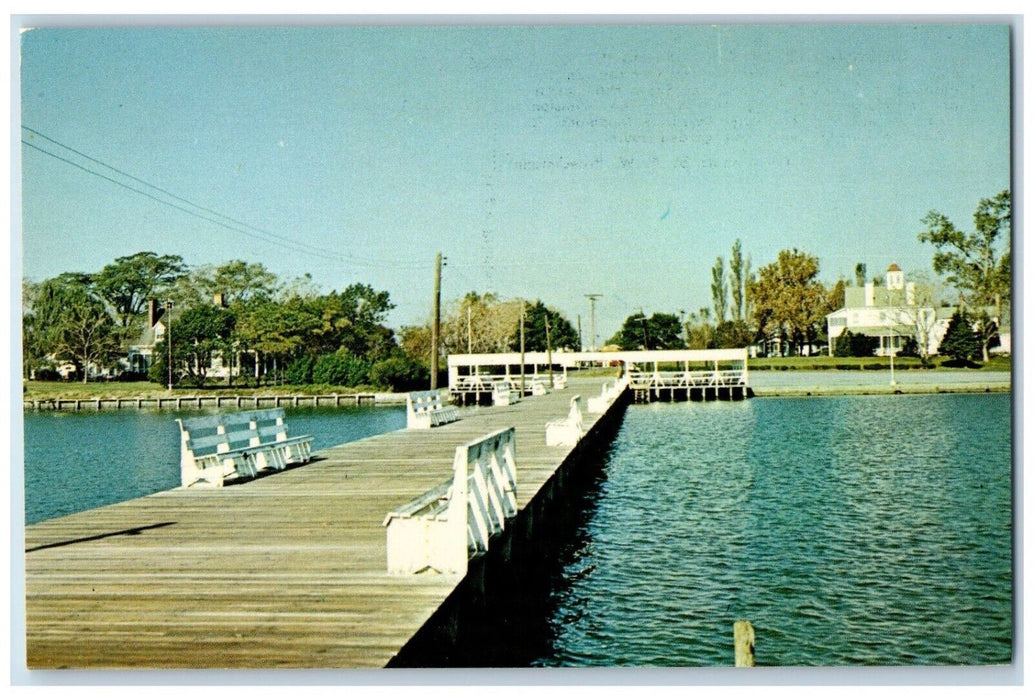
286 571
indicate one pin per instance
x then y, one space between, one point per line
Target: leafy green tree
737 280
70 322
978 264
200 333
719 290
733 334
960 342
789 299
661 331
274 330
561 333
130 281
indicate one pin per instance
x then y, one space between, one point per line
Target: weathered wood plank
296 577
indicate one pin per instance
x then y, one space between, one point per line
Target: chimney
219 300
154 312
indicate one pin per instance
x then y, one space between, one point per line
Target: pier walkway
286 571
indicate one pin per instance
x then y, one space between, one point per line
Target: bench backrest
575 414
229 431
423 401
442 527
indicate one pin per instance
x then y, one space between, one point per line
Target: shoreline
873 390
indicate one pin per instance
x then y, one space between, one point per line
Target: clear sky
544 162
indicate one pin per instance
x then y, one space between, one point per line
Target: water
849 531
78 461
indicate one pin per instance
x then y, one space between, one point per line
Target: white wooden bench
425 409
440 530
567 430
608 394
504 394
234 445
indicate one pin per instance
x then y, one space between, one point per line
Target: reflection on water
849 531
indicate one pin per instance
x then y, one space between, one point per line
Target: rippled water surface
78 461
849 530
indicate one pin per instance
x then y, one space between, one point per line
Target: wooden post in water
743 641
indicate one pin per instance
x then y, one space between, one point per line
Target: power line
236 225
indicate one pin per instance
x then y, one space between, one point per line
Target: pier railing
687 380
209 401
443 528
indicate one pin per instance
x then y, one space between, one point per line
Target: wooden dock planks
287 571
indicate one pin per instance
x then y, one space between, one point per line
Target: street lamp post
168 337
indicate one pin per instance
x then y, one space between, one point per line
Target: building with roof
893 312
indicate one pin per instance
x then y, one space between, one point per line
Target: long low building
477 374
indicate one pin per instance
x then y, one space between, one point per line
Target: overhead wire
235 225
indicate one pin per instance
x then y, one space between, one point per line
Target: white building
893 313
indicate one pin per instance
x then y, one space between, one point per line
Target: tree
200 333
736 281
960 342
661 331
70 322
277 331
919 313
130 281
978 265
700 330
859 274
479 323
561 333
733 334
789 300
719 290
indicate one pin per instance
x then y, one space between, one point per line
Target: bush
47 374
300 371
400 373
340 369
960 342
855 345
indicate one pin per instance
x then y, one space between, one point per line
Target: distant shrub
855 345
340 369
300 371
400 373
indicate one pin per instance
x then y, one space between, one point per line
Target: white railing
441 529
686 380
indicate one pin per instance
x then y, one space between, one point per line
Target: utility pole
581 346
168 337
522 348
549 352
436 320
592 310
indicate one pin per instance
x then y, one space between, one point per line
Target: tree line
264 330
272 331
783 306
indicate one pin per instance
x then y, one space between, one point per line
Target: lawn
997 363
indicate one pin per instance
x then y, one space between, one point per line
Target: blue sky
544 162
